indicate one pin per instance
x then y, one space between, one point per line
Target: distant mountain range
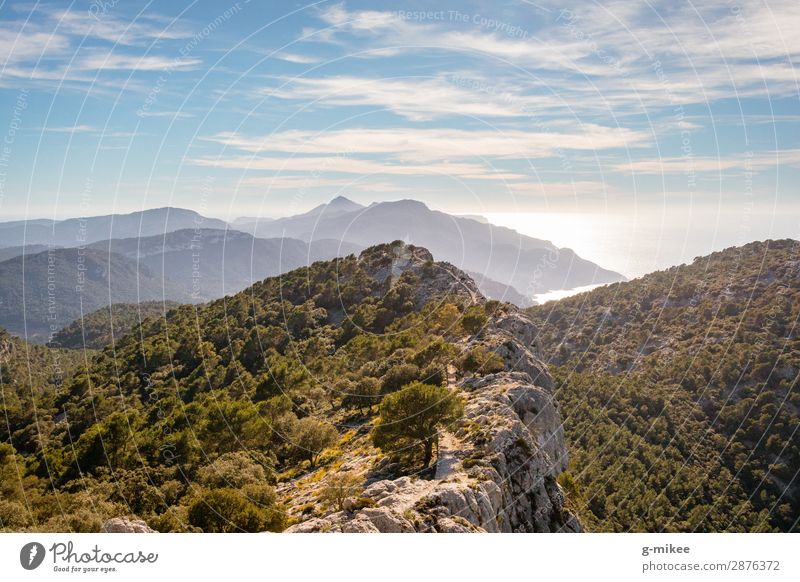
43 292
210 263
527 264
75 232
187 266
179 255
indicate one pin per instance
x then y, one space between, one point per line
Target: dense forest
195 420
103 327
679 394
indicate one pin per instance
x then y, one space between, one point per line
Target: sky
659 112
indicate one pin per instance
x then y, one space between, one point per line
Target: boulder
125 525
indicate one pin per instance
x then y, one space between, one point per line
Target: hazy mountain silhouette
61 284
210 263
529 265
74 232
299 222
11 252
207 258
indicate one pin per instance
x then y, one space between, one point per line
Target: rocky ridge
497 469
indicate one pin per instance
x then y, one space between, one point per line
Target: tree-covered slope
101 328
240 414
41 293
679 393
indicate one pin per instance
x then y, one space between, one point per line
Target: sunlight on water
635 245
562 293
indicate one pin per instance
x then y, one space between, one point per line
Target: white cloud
417 99
348 165
142 31
170 114
424 145
309 181
49 46
116 61
18 46
622 56
295 58
70 129
680 165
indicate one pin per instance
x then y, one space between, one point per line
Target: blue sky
272 107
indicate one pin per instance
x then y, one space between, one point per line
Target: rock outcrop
497 469
125 525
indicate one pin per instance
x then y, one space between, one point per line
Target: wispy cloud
116 61
417 99
346 165
57 46
168 114
70 129
624 55
742 162
313 181
296 58
437 143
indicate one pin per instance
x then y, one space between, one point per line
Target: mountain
679 394
189 265
210 263
61 284
11 252
305 222
529 265
263 411
250 219
510 266
103 327
75 232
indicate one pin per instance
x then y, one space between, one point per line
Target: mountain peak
340 202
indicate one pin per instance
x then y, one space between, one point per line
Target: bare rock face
508 451
125 525
496 470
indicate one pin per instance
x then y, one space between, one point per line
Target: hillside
186 266
371 393
108 324
11 252
30 378
61 284
679 393
210 263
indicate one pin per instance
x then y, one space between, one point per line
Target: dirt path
447 462
451 376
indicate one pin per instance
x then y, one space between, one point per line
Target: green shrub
413 416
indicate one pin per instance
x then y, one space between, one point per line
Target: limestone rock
125 525
513 441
